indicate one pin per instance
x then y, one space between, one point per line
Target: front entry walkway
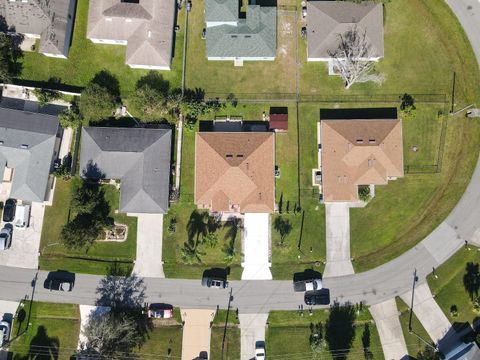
428 312
385 315
196 333
256 239
148 261
338 239
252 329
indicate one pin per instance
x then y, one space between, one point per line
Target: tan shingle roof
235 169
359 152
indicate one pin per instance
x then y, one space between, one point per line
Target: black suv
317 297
59 281
9 210
214 282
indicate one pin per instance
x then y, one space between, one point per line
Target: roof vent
229 156
24 146
371 141
239 155
359 141
234 36
1 142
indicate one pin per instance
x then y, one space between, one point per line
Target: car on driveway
160 311
5 238
212 282
260 350
317 297
9 210
4 332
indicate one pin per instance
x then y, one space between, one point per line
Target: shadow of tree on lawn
340 330
471 279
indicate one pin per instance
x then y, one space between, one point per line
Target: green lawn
414 344
99 256
163 342
53 332
449 289
288 335
232 343
85 59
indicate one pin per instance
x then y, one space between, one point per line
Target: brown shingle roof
359 152
235 171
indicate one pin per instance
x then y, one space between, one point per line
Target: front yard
101 255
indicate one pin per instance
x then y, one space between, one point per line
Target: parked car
5 238
260 350
4 332
317 297
307 285
213 282
22 217
9 210
160 311
60 281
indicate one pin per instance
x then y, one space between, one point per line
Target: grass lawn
449 289
53 329
414 344
254 78
85 59
232 343
288 335
99 256
163 342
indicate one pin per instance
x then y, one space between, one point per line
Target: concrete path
149 262
252 329
178 164
428 312
256 240
338 240
196 332
385 315
66 143
86 312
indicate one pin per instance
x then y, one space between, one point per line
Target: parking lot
25 243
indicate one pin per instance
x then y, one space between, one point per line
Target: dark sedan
9 210
317 297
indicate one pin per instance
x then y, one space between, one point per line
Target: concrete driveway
256 247
196 332
385 315
338 239
428 312
86 312
252 329
149 262
25 243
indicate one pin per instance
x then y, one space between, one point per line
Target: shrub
364 193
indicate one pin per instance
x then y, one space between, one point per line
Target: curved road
374 286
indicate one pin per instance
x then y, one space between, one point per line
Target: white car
260 350
4 332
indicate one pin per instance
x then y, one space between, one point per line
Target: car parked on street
59 281
307 285
9 210
160 311
6 237
4 332
317 297
213 282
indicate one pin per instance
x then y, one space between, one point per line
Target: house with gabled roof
358 150
29 144
51 21
328 20
234 172
138 157
229 37
145 27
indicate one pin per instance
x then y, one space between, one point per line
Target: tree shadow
92 171
121 293
42 346
155 81
108 81
197 225
233 226
283 226
471 279
366 341
340 330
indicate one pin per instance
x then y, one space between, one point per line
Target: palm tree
191 253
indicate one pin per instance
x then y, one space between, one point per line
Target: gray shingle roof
147 26
221 10
52 20
326 20
139 158
32 164
255 36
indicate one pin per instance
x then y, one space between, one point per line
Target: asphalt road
374 286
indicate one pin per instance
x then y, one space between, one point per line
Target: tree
149 103
351 58
96 103
364 192
81 232
191 254
407 106
284 227
10 52
428 353
45 96
210 239
70 118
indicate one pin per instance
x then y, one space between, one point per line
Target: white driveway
428 312
196 332
252 329
26 243
86 312
338 239
385 315
256 247
149 262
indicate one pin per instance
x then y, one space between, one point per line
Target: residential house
29 144
51 21
138 157
230 37
358 150
234 172
145 27
328 20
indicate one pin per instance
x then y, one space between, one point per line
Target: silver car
4 332
5 238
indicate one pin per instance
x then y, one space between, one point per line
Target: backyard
101 255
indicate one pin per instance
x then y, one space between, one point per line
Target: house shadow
307 274
42 347
359 113
271 3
